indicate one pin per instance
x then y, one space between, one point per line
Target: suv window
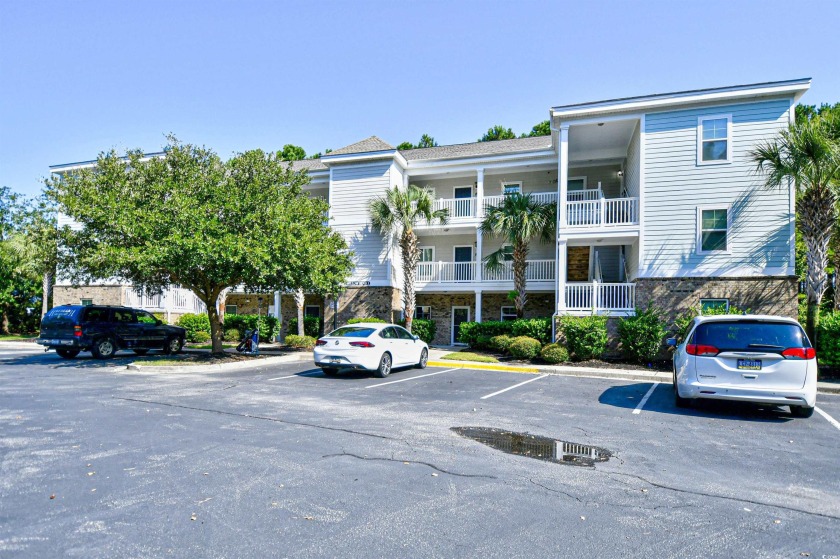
145 317
124 315
96 314
403 333
750 335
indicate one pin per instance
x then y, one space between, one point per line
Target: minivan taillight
800 353
77 331
321 342
702 350
362 344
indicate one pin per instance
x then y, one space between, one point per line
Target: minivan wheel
173 345
104 348
424 358
67 353
801 411
384 366
679 401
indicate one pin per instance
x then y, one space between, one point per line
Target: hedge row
828 339
537 328
198 326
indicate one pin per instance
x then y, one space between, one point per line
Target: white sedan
370 346
747 358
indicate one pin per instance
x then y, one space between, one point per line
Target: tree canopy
540 129
497 132
292 152
191 219
426 141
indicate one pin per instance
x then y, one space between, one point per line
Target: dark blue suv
71 329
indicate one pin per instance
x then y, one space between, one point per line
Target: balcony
457 208
603 212
542 197
600 298
465 272
175 299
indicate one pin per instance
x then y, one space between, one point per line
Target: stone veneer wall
361 302
537 305
761 295
442 311
289 309
100 294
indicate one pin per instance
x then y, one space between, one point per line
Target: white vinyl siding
759 233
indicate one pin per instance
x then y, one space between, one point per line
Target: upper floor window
714 139
427 254
511 188
713 230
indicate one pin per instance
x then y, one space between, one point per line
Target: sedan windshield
750 335
351 332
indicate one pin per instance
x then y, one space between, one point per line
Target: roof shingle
479 148
369 144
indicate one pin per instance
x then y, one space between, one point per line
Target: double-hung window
423 312
508 313
427 254
714 139
712 230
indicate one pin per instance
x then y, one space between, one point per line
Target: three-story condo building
657 202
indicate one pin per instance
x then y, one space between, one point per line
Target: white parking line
638 409
512 387
412 378
828 417
298 375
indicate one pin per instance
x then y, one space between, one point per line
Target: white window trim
82 302
471 247
421 249
418 307
502 185
502 312
472 190
728 159
713 299
699 233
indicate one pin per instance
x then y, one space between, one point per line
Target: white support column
563 175
561 275
479 192
478 305
278 313
405 180
479 248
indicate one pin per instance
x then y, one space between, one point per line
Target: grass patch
17 337
208 346
469 356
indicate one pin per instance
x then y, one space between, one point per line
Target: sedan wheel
104 348
384 366
424 359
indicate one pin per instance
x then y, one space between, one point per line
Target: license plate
749 364
335 359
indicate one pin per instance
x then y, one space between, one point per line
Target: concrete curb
483 366
220 367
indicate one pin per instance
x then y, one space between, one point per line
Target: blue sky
80 77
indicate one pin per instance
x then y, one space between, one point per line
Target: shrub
483 342
682 323
641 335
524 347
496 328
311 326
269 325
300 342
501 343
422 328
201 337
358 320
586 336
537 328
828 339
468 333
232 335
194 323
554 353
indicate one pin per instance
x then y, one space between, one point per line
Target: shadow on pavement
662 401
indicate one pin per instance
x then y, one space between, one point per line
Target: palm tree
398 212
808 154
519 219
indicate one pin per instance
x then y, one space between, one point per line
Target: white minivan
747 358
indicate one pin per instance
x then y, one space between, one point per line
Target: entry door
463 263
463 201
459 315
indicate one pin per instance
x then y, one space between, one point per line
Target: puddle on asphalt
534 446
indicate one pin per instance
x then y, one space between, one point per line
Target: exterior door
459 315
463 263
463 201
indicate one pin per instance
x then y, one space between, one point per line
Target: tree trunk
520 265
4 325
410 256
222 302
216 334
300 299
817 213
46 288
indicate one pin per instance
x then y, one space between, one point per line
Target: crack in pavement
376 458
252 416
725 497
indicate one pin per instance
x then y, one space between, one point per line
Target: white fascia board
365 156
487 162
794 87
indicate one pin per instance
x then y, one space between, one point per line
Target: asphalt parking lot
283 461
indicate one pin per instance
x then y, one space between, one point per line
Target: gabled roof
367 145
475 149
308 165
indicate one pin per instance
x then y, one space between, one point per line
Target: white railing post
479 192
596 296
602 203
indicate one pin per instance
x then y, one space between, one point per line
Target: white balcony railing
595 297
458 272
176 299
583 195
456 207
605 212
542 197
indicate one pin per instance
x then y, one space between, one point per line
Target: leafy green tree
189 218
292 153
426 141
541 129
497 132
398 213
519 220
405 146
37 245
807 154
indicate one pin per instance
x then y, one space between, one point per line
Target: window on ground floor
508 313
713 230
423 312
87 302
710 306
312 310
230 309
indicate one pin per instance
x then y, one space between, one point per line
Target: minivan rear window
750 335
351 332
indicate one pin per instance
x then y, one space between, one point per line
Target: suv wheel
173 345
67 353
384 366
104 348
